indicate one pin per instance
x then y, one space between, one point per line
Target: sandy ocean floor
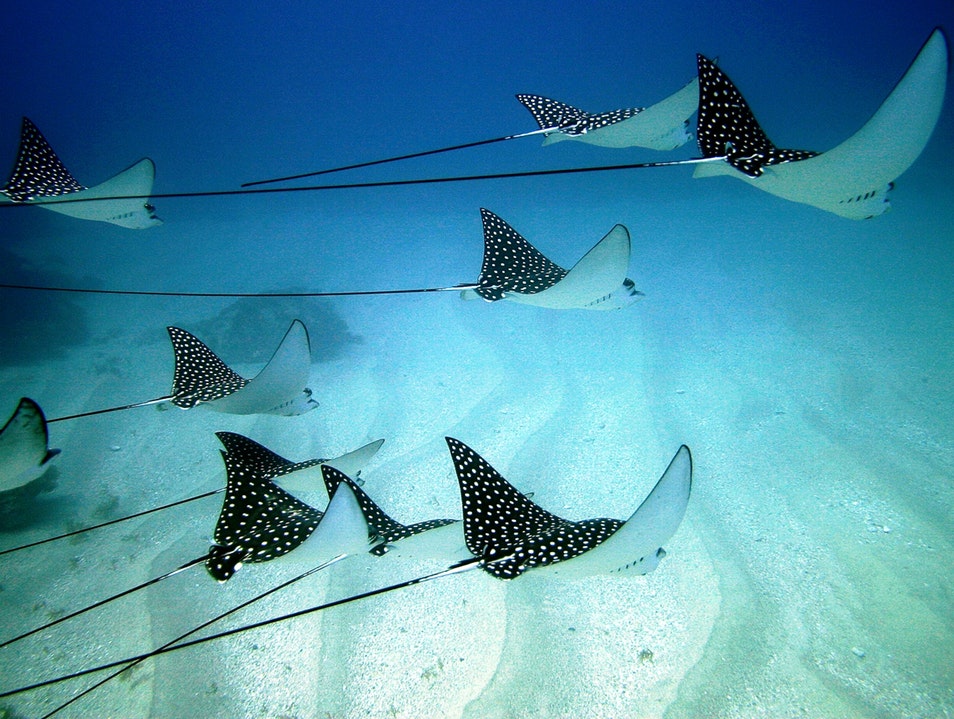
809 578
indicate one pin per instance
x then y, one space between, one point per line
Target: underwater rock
45 324
237 331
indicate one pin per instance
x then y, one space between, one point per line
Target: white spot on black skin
727 128
381 528
571 120
510 532
200 376
511 264
38 172
259 521
263 461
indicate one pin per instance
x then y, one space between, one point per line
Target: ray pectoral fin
636 547
344 528
199 374
307 476
24 446
117 201
280 388
665 125
852 179
511 264
38 173
353 462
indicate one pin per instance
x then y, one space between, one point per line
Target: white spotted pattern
511 264
382 529
259 520
200 376
727 128
571 120
261 460
38 172
507 530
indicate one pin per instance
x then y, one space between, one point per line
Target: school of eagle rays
316 512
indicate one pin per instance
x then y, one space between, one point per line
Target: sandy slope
809 578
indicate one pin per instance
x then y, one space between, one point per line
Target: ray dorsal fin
259 521
507 530
511 264
37 171
260 459
200 376
381 527
728 128
571 120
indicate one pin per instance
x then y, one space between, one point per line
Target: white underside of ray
636 547
343 530
309 479
136 180
280 388
24 454
853 179
659 127
592 282
442 545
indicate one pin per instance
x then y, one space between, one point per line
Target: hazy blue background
220 95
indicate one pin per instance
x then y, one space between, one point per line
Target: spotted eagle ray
200 377
512 269
663 126
267 525
25 452
39 176
511 534
507 534
254 470
292 476
260 522
515 270
852 179
659 127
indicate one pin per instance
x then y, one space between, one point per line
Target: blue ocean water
806 359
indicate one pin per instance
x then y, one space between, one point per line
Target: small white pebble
886 530
115 448
858 652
